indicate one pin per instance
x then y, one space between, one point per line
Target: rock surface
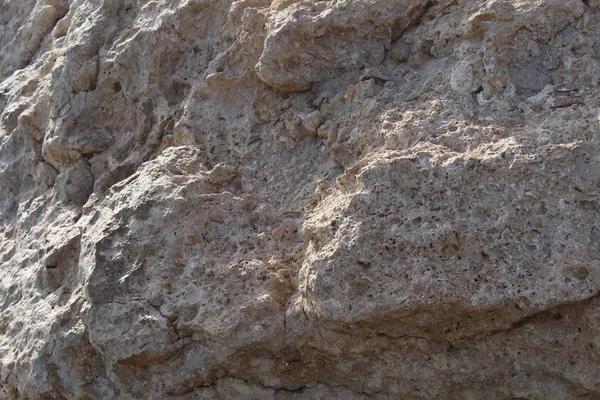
284 199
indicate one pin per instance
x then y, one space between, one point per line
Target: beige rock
299 199
312 121
308 42
400 51
419 253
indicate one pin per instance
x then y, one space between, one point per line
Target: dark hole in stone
557 316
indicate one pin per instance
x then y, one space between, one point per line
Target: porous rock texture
283 199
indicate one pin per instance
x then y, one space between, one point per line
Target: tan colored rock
308 42
311 122
299 199
405 255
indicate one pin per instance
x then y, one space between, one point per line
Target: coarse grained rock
438 251
299 199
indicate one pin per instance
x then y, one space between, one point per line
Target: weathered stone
299 199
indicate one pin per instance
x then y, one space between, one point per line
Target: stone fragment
311 122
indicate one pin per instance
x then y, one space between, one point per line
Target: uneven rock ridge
283 199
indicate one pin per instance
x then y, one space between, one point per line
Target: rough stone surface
256 199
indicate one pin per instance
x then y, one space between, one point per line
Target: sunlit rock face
256 199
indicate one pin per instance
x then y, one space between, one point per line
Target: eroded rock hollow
284 199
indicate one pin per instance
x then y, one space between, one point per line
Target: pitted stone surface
216 199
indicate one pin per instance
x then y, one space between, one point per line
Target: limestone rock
308 42
437 252
217 199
